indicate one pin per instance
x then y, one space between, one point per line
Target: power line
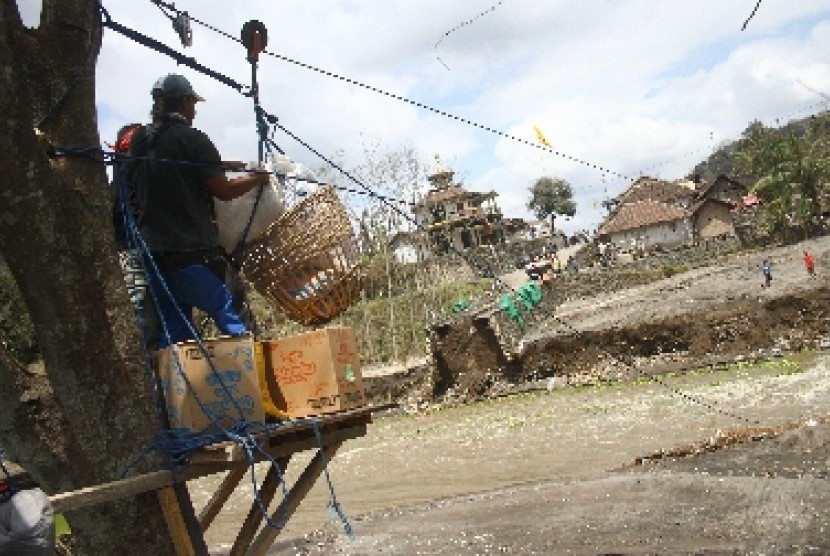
755 9
491 9
480 265
415 103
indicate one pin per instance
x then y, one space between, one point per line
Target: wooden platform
187 529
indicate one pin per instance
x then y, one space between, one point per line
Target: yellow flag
541 137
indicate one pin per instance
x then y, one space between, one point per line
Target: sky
619 88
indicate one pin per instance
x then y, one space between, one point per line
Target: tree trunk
81 422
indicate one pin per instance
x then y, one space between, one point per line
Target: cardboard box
231 382
315 373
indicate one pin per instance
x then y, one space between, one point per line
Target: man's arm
226 189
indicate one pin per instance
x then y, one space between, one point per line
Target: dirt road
553 472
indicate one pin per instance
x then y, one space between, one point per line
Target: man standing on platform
177 175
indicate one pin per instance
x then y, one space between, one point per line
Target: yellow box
315 373
227 384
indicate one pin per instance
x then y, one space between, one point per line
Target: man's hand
261 178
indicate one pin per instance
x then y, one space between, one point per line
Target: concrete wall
666 234
713 220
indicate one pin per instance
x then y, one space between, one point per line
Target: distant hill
722 161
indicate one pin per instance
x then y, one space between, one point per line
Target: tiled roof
644 213
729 186
703 200
444 195
648 189
454 192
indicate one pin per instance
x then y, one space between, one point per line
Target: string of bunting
463 24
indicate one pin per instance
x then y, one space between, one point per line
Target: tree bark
91 412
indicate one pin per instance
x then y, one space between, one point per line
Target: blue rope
176 450
179 444
335 509
263 508
132 239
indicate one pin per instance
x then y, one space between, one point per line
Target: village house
655 213
450 218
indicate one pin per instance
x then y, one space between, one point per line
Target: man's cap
156 90
174 85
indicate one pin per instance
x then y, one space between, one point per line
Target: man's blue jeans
193 286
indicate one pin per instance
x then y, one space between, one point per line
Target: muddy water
568 433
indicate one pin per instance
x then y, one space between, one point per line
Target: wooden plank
175 522
214 505
328 438
255 514
286 448
185 533
298 492
131 486
231 451
197 537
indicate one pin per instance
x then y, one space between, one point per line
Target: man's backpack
124 197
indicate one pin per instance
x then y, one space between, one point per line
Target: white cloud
626 86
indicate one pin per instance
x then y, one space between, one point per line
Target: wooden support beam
211 509
131 486
286 509
124 488
280 448
285 434
181 522
175 522
197 537
255 514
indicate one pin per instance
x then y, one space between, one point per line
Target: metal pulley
254 38
181 24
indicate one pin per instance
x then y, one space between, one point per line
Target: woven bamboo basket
307 262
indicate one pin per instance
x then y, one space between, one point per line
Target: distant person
533 269
809 264
572 265
766 270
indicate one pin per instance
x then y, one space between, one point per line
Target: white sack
232 216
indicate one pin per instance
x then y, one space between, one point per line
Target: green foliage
790 170
398 303
670 269
550 197
404 335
